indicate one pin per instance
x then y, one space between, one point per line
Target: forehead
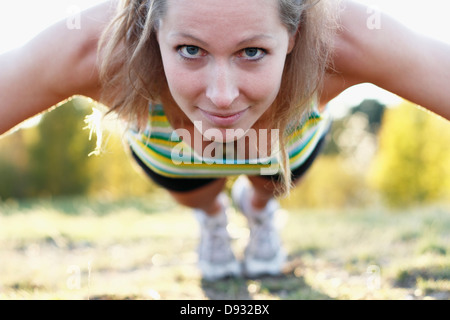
243 16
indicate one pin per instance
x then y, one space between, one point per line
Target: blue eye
190 52
253 53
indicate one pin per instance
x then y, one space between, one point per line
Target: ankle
216 207
259 201
258 204
213 209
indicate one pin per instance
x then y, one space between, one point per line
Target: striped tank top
161 148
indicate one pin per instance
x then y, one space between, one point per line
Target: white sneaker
264 254
215 257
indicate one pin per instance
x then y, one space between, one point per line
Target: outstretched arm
392 57
54 66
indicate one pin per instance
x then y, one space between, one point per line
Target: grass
145 249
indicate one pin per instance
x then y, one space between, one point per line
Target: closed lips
223 119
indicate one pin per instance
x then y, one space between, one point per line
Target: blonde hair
133 76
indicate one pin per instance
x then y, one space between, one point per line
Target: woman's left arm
392 57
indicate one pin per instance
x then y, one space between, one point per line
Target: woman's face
223 60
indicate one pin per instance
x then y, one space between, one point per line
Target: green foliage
374 111
329 183
412 164
115 174
14 159
58 160
52 159
11 180
371 110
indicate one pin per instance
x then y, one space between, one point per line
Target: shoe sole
215 272
256 268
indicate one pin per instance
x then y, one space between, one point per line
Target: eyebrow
241 43
256 38
186 35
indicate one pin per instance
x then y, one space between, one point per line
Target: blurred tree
12 180
412 163
12 159
329 183
115 174
372 110
58 160
52 158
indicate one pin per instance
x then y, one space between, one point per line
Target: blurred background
381 149
396 156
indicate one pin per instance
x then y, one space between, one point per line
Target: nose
222 88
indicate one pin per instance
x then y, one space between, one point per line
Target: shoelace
215 245
263 239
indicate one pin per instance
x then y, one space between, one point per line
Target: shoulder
82 54
65 58
369 43
58 63
373 47
363 48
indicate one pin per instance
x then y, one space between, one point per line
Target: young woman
214 88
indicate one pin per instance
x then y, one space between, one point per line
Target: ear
291 43
292 40
157 29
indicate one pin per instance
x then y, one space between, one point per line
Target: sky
22 20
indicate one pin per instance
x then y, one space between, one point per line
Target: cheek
183 85
181 82
266 85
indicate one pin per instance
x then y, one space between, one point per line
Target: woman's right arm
393 57
55 65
